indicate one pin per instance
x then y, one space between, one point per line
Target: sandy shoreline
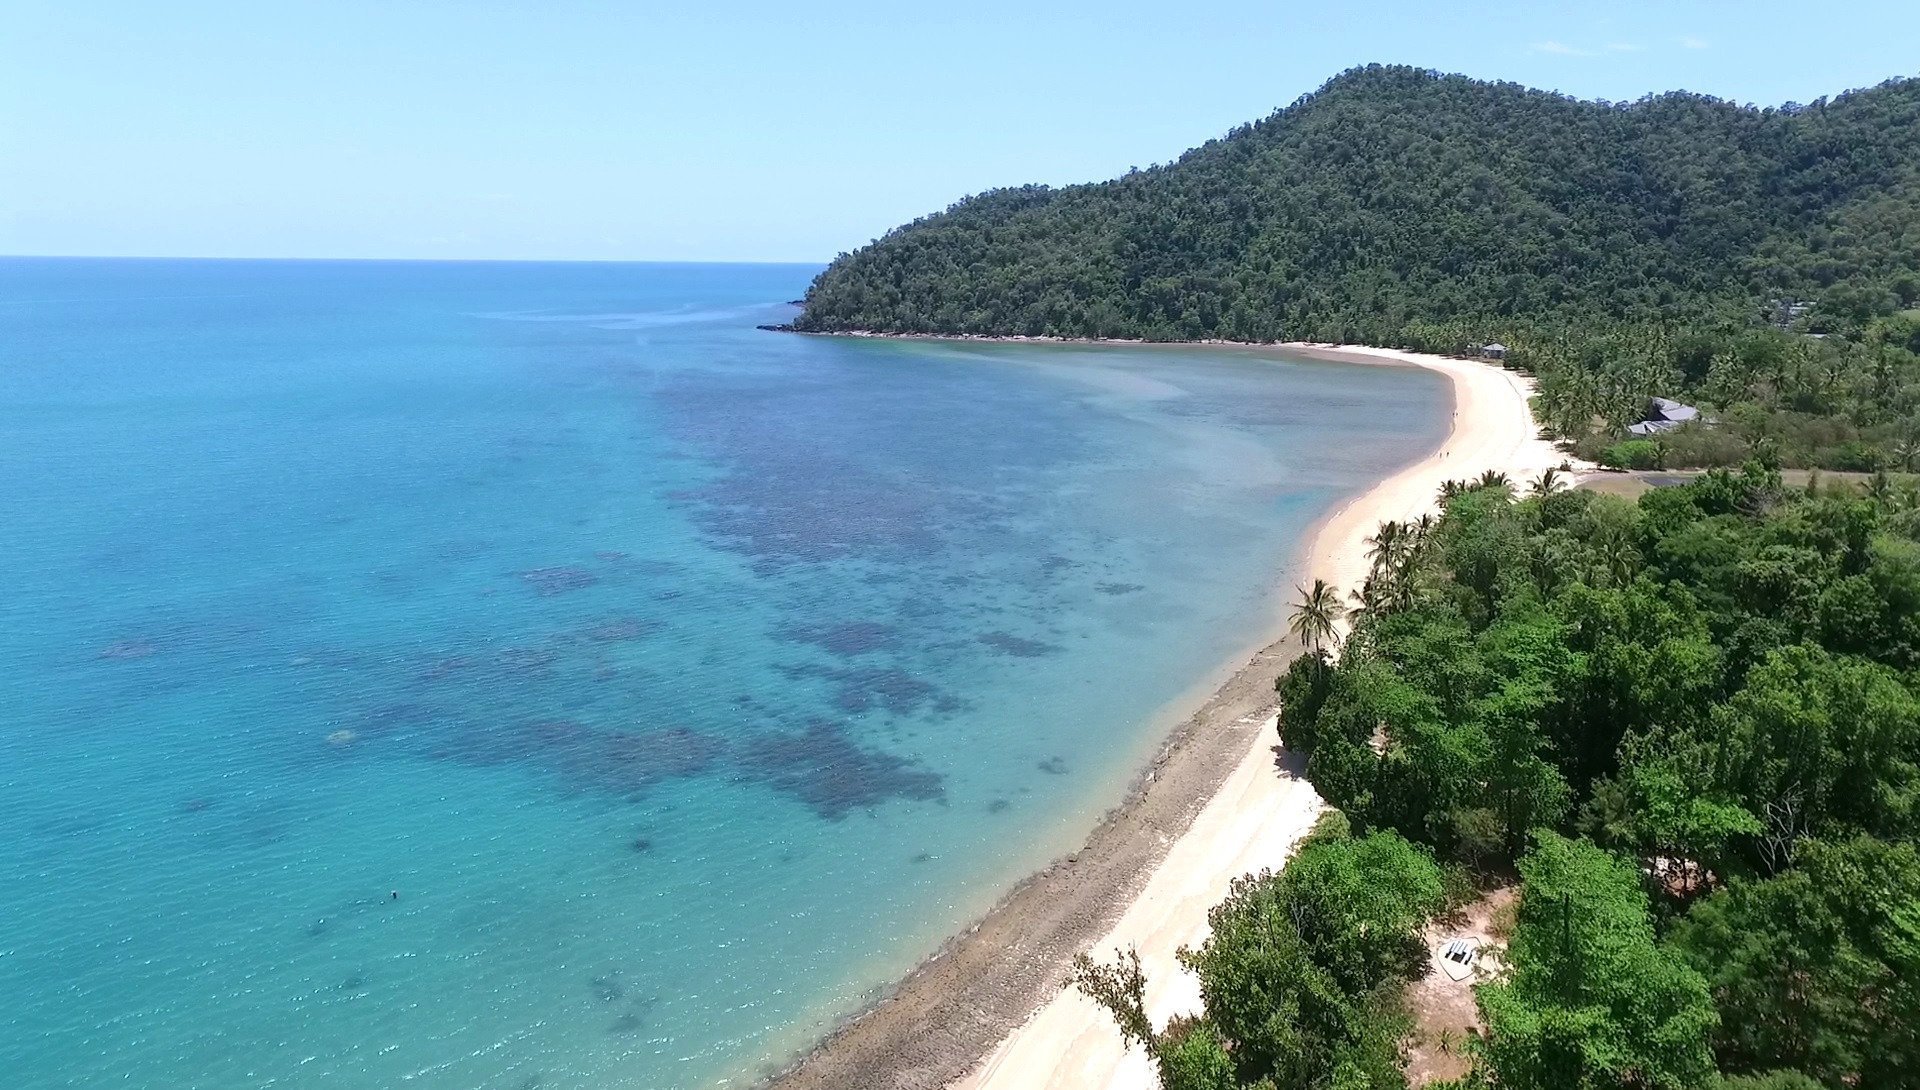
987 1012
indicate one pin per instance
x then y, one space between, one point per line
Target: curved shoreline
1219 799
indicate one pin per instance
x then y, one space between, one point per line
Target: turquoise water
685 681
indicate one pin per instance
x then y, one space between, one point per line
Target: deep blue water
685 681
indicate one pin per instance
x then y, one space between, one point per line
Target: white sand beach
1261 811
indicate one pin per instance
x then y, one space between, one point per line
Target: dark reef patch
557 580
608 988
845 639
390 718
527 661
812 474
330 658
460 549
620 629
130 649
618 762
866 688
627 1023
1053 766
1009 644
833 774
450 666
1118 588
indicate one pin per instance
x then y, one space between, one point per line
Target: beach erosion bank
1221 799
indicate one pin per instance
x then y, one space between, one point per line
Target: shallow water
513 675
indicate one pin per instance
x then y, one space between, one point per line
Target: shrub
1635 454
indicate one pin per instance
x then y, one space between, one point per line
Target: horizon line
439 260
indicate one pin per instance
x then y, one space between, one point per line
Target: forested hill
1395 197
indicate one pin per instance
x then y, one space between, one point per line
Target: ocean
464 675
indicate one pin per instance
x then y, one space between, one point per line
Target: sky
745 130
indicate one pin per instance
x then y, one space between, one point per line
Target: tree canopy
1301 972
1702 711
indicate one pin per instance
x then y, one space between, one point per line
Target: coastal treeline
1303 975
1688 725
1764 263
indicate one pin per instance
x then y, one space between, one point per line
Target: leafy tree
1591 1002
1817 969
1772 1080
1634 454
1299 967
1817 745
1300 974
1195 1057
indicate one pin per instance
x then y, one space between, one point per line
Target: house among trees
1663 415
1785 312
1494 351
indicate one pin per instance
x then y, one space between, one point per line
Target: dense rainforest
1687 726
1762 263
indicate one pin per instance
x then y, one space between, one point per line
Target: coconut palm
1315 615
1907 452
1365 601
1549 482
1620 557
1493 478
1388 544
1880 488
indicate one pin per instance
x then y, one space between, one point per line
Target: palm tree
1880 488
1395 551
1907 452
1315 615
1492 478
1387 545
1365 601
1621 558
1450 489
1548 482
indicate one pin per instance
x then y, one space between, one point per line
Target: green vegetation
1678 246
1302 975
1818 968
1592 1001
1635 454
1691 722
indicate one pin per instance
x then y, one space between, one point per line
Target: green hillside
1761 263
1396 196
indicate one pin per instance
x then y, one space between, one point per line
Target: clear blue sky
743 129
